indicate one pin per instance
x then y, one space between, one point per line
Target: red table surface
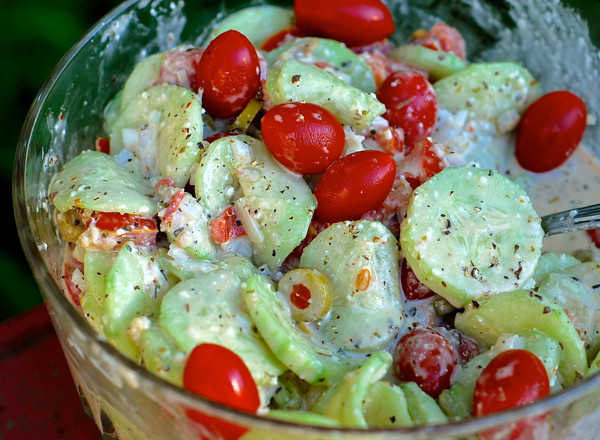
38 399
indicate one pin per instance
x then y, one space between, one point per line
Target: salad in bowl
307 220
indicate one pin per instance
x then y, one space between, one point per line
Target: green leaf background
34 34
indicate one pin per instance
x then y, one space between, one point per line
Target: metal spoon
577 219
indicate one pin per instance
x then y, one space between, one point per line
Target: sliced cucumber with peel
210 308
360 260
295 81
521 312
274 205
257 23
439 64
470 233
163 127
315 363
339 60
133 288
97 182
488 90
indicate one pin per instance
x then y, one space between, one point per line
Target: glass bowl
128 402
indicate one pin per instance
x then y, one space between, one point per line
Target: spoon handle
576 219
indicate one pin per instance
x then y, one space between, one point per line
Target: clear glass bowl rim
49 287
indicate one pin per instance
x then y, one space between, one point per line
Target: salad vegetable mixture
305 220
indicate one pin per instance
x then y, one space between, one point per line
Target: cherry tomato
443 38
218 374
411 104
550 130
425 356
141 230
229 74
354 184
353 22
594 234
466 349
304 137
226 226
276 40
210 139
513 378
103 145
411 286
74 289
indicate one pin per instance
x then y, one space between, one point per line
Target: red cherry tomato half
443 38
354 184
550 130
413 289
217 373
353 22
594 234
513 378
226 226
425 356
229 74
276 40
304 137
411 104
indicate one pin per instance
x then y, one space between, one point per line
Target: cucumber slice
551 262
95 181
276 206
438 64
144 75
470 233
96 264
341 61
210 308
346 404
518 313
423 408
457 401
257 23
215 181
162 126
134 287
293 80
488 90
161 355
573 289
385 406
360 260
311 362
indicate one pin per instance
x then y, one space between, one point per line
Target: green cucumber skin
315 363
272 19
520 312
349 66
359 320
457 401
294 81
130 294
95 181
144 75
385 406
346 403
470 233
215 181
576 289
488 90
210 309
277 202
161 355
172 117
438 64
423 409
96 265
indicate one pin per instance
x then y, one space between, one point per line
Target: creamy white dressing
576 183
